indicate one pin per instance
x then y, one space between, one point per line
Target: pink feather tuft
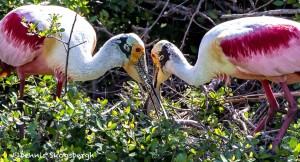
260 41
19 32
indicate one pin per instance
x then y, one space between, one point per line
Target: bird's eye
138 50
152 55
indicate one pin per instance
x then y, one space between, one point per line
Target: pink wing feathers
270 50
17 47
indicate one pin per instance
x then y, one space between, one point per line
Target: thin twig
264 13
112 108
252 4
78 45
256 97
154 23
190 23
262 6
103 28
190 122
68 52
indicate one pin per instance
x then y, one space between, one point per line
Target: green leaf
293 142
154 144
291 1
237 153
70 105
51 130
153 130
93 19
181 157
264 156
193 151
127 110
114 113
223 158
111 156
105 13
132 154
99 124
4 119
278 3
297 149
111 125
31 128
131 146
194 49
47 77
104 102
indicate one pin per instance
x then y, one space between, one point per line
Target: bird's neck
105 59
193 75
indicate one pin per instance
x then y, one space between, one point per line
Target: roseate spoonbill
30 54
262 48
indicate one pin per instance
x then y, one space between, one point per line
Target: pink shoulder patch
262 40
18 33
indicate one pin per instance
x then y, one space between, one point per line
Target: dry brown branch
235 117
241 113
111 109
190 23
154 23
252 4
234 8
174 8
264 13
262 6
101 27
190 122
177 108
256 97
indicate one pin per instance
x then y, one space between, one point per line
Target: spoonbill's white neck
124 50
172 61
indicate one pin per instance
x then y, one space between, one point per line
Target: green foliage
112 127
53 29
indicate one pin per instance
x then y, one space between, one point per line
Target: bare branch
252 4
256 97
262 6
77 44
190 122
190 23
154 23
103 28
68 52
265 13
112 108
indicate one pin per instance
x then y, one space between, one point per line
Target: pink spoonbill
260 48
31 54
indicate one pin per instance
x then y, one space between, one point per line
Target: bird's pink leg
59 87
274 107
293 107
60 76
20 107
21 90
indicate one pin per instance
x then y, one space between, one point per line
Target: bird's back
18 47
266 46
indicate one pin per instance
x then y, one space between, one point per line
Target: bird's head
164 55
135 61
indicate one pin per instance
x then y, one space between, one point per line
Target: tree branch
265 13
190 23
